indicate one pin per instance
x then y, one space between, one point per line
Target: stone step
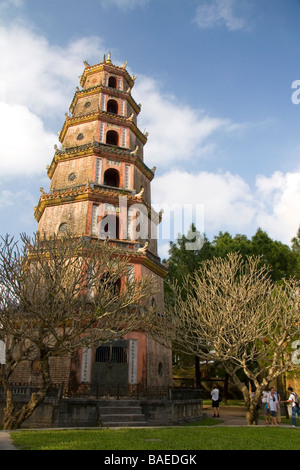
121 413
119 403
129 424
122 417
119 410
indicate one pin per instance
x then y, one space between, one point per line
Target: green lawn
176 438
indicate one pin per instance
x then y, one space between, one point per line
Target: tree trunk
252 413
225 390
197 372
253 404
252 400
14 420
9 407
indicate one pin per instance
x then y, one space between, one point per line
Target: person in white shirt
266 408
273 404
295 407
215 395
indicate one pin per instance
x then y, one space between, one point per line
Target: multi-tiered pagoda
101 188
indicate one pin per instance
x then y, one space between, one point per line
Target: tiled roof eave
95 147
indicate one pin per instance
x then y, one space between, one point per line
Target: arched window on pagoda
112 107
112 82
109 227
112 138
112 178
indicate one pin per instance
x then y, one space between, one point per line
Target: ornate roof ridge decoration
97 115
106 64
84 192
97 146
70 150
87 116
143 256
97 88
83 188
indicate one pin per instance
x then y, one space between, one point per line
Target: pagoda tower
100 187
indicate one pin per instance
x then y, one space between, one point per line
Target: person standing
278 417
265 402
295 406
273 404
215 397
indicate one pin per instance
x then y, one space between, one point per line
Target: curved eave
145 260
111 91
106 67
96 148
88 192
110 118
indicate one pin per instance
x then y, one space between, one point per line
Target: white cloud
177 132
279 197
217 12
39 75
230 204
37 81
227 200
26 147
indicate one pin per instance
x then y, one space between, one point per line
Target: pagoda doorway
110 369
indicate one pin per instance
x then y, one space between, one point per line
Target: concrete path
6 442
236 416
230 415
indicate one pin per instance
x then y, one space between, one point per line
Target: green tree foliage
183 261
296 252
282 261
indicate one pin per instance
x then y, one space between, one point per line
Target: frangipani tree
59 295
231 312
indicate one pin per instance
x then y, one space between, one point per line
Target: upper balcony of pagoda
108 117
90 191
101 88
92 73
101 149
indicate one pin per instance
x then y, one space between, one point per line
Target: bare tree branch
230 312
60 294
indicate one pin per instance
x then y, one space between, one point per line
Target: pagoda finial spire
108 60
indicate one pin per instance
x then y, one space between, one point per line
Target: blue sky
214 78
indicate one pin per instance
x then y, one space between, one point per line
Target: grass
201 435
172 438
